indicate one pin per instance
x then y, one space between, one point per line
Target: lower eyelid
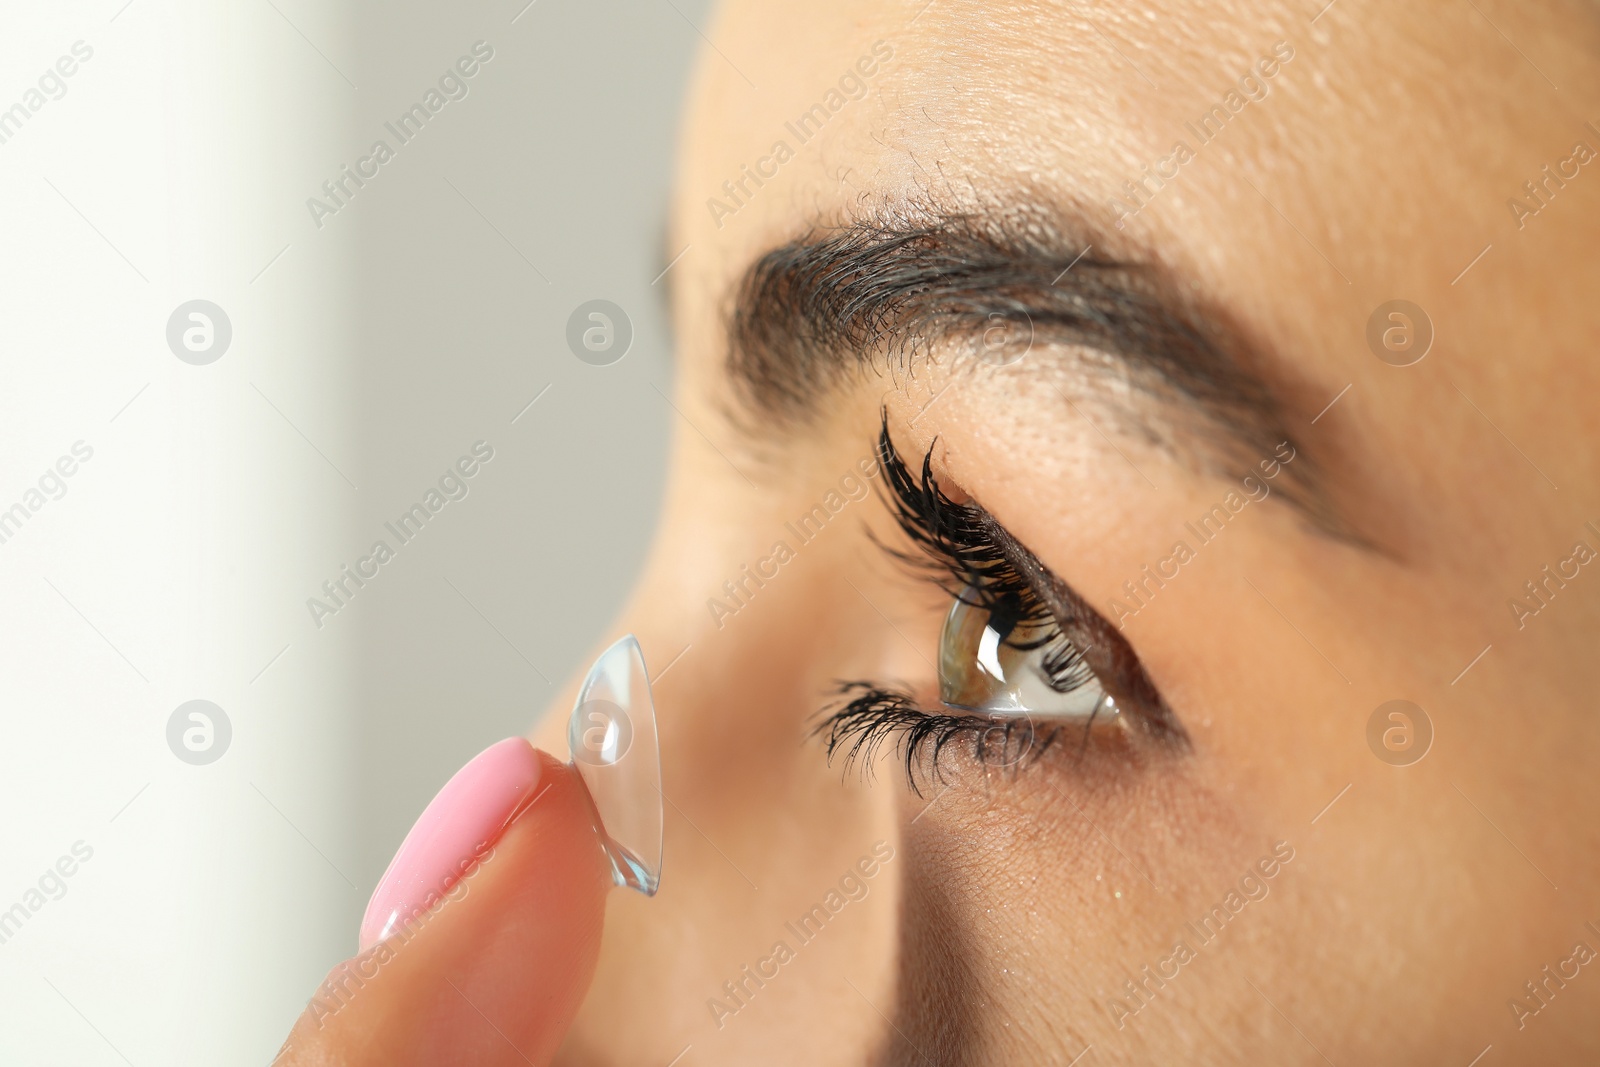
877 718
1104 649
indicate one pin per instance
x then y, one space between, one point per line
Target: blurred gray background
544 188
369 352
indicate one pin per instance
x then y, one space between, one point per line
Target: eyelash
958 551
875 717
963 550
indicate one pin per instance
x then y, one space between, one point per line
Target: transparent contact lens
612 738
1032 671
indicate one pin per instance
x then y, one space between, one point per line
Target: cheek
1115 866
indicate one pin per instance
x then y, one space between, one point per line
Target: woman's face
1124 277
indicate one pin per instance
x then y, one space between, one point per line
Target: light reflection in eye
981 669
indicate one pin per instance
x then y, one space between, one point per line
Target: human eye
1023 663
993 662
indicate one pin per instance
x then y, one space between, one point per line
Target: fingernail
465 819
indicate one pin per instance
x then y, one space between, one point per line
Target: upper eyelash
966 541
972 555
953 537
958 542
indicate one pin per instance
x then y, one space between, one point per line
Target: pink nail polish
468 816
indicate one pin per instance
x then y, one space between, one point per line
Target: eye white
978 671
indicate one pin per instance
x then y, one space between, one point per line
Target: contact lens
612 738
981 669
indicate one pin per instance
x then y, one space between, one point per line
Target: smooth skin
1418 900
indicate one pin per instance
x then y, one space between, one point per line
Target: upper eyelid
1105 651
912 518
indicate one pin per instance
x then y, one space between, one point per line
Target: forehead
1295 171
1248 147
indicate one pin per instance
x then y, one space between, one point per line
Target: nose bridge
734 679
729 619
747 610
739 619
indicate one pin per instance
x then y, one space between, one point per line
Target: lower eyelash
874 717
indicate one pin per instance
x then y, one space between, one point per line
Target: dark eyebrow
877 293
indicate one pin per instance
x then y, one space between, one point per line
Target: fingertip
464 819
497 968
